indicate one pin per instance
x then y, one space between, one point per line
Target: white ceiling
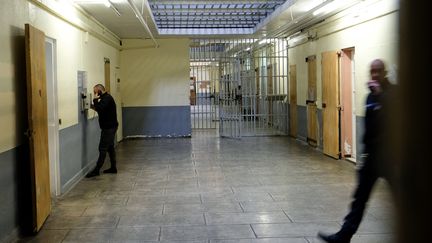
290 15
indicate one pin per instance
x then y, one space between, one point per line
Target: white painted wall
371 28
155 76
73 54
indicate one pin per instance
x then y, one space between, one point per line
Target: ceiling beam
212 10
231 2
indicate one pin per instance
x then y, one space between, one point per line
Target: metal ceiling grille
222 14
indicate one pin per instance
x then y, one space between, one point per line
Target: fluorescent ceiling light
104 2
328 7
300 39
305 7
264 41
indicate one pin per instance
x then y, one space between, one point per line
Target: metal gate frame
250 89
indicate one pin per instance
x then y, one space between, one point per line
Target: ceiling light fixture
328 7
107 3
104 2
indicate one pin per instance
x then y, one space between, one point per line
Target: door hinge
28 133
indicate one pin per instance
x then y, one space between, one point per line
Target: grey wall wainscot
78 150
301 122
78 145
15 196
320 129
157 121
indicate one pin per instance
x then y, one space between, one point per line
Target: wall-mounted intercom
85 97
85 100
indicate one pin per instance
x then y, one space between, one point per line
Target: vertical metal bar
199 83
195 80
208 69
206 123
208 85
203 76
193 52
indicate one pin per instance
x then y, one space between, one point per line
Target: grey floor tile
377 226
293 229
207 232
159 220
126 234
382 213
89 235
246 218
315 214
268 240
152 200
366 238
167 190
261 206
60 211
122 210
46 236
81 222
205 207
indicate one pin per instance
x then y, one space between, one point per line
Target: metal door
230 98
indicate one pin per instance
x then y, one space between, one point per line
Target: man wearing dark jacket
375 164
104 105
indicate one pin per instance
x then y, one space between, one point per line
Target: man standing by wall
105 106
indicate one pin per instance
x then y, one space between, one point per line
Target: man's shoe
93 173
333 238
111 170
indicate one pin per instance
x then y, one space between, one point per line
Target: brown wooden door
346 103
38 124
107 75
312 118
293 101
330 103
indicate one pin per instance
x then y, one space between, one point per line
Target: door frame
350 125
53 139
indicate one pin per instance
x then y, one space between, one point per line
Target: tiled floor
207 189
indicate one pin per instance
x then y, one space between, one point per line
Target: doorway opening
53 118
348 145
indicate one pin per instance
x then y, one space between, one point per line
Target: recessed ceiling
201 17
174 14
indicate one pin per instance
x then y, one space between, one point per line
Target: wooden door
38 124
330 103
347 145
107 75
312 118
293 101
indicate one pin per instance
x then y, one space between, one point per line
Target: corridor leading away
209 189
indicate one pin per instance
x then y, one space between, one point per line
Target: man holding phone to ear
104 105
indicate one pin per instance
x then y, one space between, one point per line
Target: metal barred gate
239 86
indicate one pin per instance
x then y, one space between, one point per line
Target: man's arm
100 104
